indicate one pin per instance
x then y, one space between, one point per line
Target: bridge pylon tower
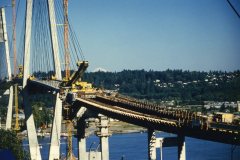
31 129
4 39
54 150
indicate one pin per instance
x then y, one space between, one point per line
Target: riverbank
117 127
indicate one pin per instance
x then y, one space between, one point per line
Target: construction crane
14 37
16 128
72 84
70 155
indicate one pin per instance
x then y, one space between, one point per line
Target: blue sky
158 34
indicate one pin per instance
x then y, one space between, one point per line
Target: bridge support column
31 130
151 145
9 110
81 125
54 152
103 133
54 40
181 147
3 28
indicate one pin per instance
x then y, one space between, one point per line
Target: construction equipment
20 72
53 77
32 77
16 128
82 66
77 87
14 37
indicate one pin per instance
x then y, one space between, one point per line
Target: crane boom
82 66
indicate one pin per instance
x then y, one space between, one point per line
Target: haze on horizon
156 34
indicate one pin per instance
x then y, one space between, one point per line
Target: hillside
183 86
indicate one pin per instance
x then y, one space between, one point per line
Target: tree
10 141
41 114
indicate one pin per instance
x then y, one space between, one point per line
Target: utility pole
14 37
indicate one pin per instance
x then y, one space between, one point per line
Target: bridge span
75 99
152 116
148 115
180 124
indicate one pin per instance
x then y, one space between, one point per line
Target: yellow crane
16 128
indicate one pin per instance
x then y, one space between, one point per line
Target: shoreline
116 127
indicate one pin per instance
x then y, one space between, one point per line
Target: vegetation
178 85
3 99
42 115
4 86
10 141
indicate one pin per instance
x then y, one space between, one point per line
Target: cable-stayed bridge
51 46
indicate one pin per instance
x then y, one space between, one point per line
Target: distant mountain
99 69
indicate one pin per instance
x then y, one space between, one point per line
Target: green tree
42 115
10 141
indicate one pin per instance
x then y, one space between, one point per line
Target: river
133 146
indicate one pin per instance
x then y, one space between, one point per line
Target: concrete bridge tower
4 40
31 129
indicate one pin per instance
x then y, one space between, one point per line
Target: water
134 147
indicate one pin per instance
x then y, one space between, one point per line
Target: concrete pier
103 133
151 145
81 125
181 148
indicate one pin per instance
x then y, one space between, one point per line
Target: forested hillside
171 84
